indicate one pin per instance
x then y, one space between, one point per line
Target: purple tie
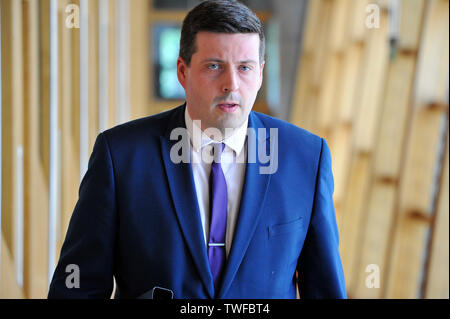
218 225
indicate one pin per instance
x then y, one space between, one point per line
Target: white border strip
53 178
103 65
84 87
19 216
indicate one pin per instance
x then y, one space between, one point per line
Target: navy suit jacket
137 219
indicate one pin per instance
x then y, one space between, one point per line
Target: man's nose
230 81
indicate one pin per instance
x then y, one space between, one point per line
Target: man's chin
231 123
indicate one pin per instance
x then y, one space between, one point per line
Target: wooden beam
433 65
351 74
111 61
339 39
326 109
321 47
93 72
36 202
12 138
75 102
357 17
437 284
375 241
395 116
67 108
372 85
411 16
140 90
44 54
353 218
409 241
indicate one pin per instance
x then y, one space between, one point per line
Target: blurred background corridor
371 77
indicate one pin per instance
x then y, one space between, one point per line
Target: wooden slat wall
383 106
93 72
416 206
25 36
36 203
12 138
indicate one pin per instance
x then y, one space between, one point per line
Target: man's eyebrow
248 61
213 60
222 61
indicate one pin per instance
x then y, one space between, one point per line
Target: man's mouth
228 107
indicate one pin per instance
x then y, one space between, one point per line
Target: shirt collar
235 141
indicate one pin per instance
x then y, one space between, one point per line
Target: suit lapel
252 201
182 187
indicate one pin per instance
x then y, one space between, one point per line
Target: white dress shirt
233 166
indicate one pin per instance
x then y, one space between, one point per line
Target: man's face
223 78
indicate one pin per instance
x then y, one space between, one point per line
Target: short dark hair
221 16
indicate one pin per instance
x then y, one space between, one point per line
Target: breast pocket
283 250
286 228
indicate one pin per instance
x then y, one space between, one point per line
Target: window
167 44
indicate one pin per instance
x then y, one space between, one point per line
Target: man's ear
261 69
182 69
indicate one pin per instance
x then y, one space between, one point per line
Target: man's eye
213 66
245 68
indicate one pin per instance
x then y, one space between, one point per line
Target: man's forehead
244 44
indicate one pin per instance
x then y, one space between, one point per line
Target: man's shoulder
293 141
285 128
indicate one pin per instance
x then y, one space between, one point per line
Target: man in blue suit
210 199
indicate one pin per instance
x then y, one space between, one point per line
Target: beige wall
26 106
